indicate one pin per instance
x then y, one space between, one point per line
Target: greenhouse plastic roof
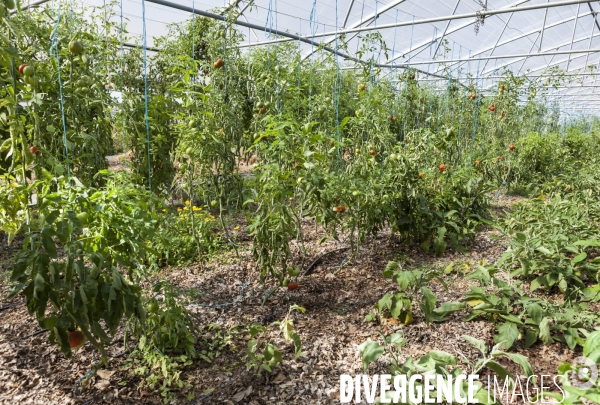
524 41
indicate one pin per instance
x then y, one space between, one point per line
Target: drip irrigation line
311 266
11 306
35 333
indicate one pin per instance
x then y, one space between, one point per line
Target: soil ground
32 371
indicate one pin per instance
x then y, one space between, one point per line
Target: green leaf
591 343
390 268
544 334
48 242
500 371
570 336
476 343
521 361
511 318
370 351
39 284
536 312
448 308
507 334
427 303
442 358
543 250
531 336
579 258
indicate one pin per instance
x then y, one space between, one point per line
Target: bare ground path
34 372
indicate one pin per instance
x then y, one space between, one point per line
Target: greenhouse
311 202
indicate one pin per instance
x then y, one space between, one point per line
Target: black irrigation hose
12 306
311 266
36 333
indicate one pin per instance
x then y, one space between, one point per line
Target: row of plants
369 155
543 289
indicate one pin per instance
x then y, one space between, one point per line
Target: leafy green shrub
67 269
185 235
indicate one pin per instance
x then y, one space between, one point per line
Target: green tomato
355 193
10 4
83 217
214 203
75 47
293 271
152 307
285 282
28 71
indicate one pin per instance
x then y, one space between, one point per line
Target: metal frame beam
348 14
590 44
516 55
573 35
445 30
544 54
285 34
422 46
483 13
543 28
365 20
498 40
526 34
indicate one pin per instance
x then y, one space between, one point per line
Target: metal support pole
573 35
543 27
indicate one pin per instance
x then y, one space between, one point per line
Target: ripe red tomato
473 96
477 163
33 150
498 158
372 152
502 115
511 147
420 175
292 286
218 63
502 88
76 339
21 67
263 110
492 108
442 167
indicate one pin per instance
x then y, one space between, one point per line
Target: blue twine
122 72
476 112
313 30
146 93
462 109
406 83
336 94
54 46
